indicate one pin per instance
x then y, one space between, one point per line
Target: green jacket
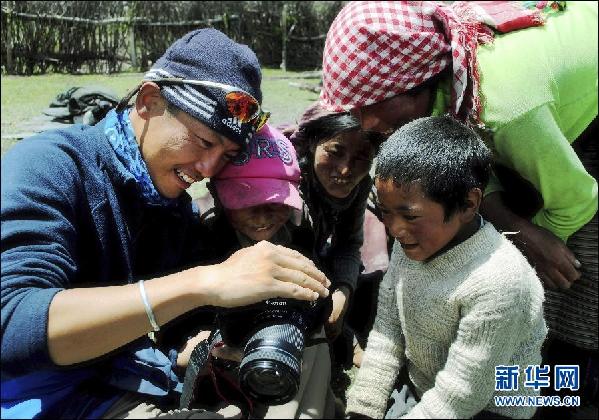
539 93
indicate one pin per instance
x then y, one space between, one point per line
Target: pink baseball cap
267 172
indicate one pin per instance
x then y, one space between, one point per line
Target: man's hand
77 317
556 265
334 324
261 272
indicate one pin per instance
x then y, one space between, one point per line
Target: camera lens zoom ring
268 353
284 332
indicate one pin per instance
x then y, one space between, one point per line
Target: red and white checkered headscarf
377 49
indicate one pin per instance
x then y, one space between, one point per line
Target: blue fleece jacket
73 217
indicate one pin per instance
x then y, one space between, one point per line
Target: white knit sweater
452 320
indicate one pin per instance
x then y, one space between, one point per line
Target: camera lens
271 366
269 382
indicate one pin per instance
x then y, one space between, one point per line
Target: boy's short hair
445 156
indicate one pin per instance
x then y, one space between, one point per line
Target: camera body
272 335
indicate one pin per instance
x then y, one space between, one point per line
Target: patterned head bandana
375 50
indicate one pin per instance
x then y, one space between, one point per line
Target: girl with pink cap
257 198
259 189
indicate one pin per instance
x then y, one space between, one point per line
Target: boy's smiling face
259 223
418 223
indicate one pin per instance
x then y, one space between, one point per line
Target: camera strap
200 359
197 361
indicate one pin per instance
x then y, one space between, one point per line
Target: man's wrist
200 282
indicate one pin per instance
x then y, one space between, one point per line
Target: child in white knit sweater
458 299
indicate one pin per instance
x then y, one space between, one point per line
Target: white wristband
149 312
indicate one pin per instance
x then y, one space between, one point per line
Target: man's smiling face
177 148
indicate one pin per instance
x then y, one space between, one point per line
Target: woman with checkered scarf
531 94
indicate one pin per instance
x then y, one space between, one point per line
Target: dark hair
329 126
124 102
172 109
445 156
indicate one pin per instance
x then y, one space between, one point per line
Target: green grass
25 97
285 103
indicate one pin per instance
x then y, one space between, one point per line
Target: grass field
25 97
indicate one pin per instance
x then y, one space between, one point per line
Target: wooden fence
36 43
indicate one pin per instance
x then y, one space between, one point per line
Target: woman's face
390 114
341 162
259 223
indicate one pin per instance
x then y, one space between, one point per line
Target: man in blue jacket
89 213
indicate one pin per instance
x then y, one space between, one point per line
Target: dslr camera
272 335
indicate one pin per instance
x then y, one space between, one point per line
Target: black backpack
84 105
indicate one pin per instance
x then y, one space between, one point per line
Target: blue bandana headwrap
122 139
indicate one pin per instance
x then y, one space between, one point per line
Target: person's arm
341 298
555 264
497 311
47 322
384 354
348 239
117 313
346 258
535 147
